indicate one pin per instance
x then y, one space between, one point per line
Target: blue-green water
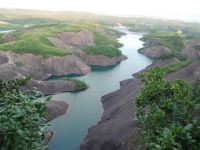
85 107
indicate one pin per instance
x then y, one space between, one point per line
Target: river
6 31
85 107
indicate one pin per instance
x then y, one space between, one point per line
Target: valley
90 65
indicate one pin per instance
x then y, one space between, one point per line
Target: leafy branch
22 123
165 109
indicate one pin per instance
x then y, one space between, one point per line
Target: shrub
80 85
196 91
166 110
19 63
22 123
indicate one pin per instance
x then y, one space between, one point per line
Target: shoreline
55 109
97 85
117 128
88 142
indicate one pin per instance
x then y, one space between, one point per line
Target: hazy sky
159 8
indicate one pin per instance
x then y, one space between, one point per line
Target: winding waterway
85 107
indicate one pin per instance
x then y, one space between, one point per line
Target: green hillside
34 40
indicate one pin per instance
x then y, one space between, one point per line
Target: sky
174 9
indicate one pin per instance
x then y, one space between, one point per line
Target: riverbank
86 108
55 109
117 128
62 50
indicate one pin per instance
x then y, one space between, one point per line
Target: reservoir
85 108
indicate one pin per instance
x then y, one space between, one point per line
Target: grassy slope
107 46
172 40
197 47
79 85
173 67
34 39
104 46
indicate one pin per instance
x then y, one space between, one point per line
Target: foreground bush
166 110
22 123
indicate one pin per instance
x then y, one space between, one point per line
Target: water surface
85 107
6 31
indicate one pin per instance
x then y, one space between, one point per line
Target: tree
22 123
166 110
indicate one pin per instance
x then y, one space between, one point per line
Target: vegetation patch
34 46
19 63
171 40
197 47
177 55
192 31
22 118
80 85
165 109
34 40
196 91
109 51
104 46
174 67
112 31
